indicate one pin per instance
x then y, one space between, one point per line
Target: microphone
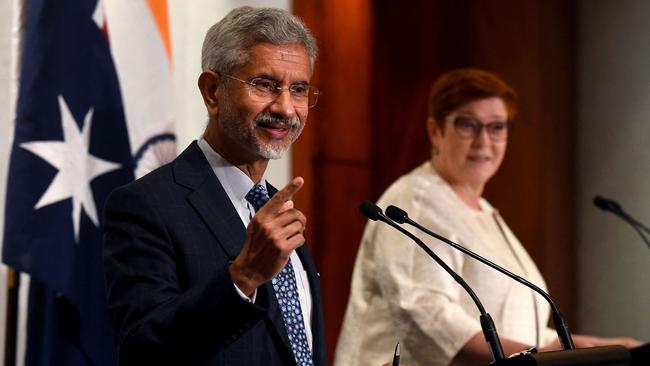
374 213
562 329
607 204
612 206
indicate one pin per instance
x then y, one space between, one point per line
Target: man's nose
283 104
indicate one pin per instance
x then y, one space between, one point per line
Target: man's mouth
273 125
274 130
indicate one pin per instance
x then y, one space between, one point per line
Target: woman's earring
434 150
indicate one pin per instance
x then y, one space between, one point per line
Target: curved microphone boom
562 329
612 206
374 213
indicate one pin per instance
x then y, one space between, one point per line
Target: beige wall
613 161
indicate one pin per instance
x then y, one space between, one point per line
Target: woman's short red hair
460 86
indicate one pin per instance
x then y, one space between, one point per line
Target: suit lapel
191 169
317 311
209 199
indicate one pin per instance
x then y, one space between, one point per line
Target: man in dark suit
201 267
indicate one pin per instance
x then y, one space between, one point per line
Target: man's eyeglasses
470 128
265 90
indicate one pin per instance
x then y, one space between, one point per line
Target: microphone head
606 204
370 210
396 214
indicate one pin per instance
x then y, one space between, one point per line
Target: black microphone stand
375 213
612 206
562 329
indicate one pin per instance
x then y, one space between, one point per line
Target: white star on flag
76 167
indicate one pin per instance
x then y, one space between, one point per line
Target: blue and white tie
257 196
286 291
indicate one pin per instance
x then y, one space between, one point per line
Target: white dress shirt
237 184
400 294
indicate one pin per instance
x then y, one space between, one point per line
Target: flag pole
11 324
18 11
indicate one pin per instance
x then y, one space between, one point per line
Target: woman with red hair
399 293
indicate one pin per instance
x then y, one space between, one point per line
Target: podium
594 356
640 355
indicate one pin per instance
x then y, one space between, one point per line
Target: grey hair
227 43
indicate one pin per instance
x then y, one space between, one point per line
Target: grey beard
291 123
234 126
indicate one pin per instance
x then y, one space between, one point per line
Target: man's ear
210 87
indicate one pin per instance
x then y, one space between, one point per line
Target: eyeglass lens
471 128
267 90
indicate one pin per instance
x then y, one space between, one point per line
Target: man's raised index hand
281 199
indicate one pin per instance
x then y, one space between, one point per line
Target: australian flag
70 149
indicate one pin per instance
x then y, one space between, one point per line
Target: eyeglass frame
478 126
251 85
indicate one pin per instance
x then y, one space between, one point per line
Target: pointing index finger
285 194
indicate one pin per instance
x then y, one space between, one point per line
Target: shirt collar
235 182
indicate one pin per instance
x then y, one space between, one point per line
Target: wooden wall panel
413 45
378 60
337 235
335 158
534 187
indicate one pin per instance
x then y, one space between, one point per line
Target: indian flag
138 33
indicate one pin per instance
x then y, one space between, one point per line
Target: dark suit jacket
168 240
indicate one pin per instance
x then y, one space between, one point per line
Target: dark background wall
377 62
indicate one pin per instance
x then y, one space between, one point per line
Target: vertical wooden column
334 155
